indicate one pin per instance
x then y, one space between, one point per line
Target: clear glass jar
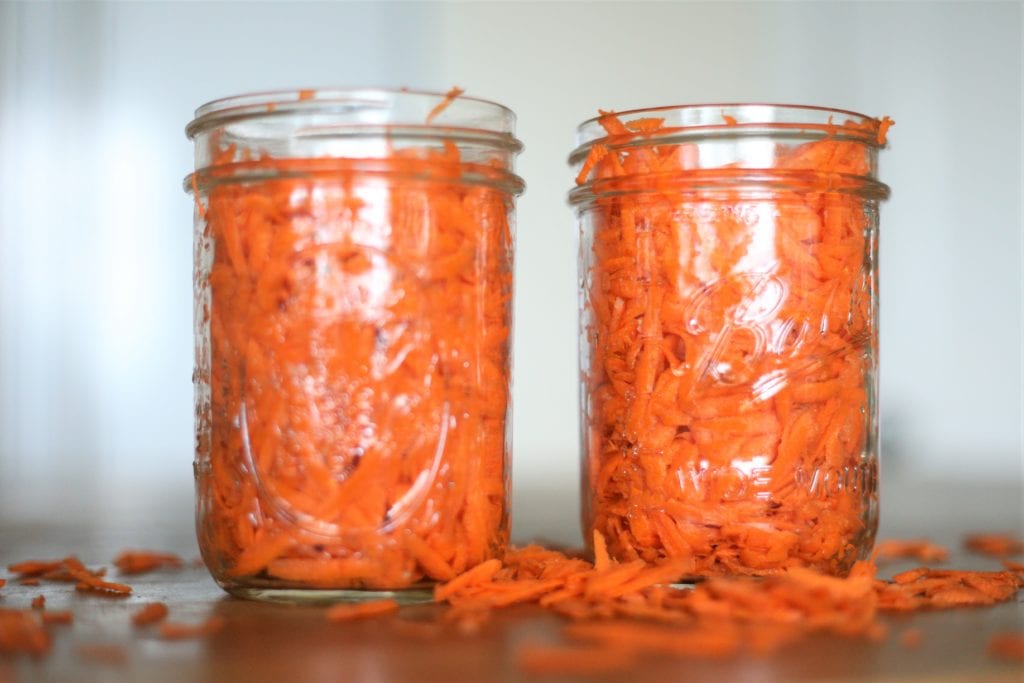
353 291
729 298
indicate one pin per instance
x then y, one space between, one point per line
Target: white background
95 231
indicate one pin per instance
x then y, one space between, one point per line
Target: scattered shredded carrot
21 631
175 631
362 610
729 120
996 545
39 602
150 614
113 655
925 588
306 94
918 549
354 432
141 561
729 380
1007 646
449 97
3 582
911 638
632 609
69 569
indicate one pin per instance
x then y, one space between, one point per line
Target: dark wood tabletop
269 642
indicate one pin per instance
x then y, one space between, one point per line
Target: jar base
329 596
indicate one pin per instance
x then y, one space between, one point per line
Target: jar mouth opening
693 121
355 110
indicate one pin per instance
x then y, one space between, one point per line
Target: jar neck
752 148
430 135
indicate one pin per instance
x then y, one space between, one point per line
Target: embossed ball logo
739 315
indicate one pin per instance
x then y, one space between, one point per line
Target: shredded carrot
39 602
306 94
21 631
3 582
175 631
34 567
362 610
357 369
149 614
1016 567
1007 646
69 569
943 588
996 545
883 129
449 97
917 549
632 610
90 582
141 561
113 655
728 388
729 120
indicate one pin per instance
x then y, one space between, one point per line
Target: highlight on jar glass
353 291
729 335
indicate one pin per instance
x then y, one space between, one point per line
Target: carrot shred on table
29 581
21 631
39 602
994 544
1007 645
150 614
361 610
1015 567
34 567
141 561
449 97
921 549
169 630
729 120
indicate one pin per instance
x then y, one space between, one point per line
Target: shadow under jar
353 291
729 339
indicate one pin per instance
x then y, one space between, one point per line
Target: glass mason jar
729 336
353 291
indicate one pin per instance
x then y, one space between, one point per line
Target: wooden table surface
265 642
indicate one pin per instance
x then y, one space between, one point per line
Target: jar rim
737 118
398 108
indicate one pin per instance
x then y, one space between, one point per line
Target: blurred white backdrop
95 231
